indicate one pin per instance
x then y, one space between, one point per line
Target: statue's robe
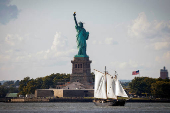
82 36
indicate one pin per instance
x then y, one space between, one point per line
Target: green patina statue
82 36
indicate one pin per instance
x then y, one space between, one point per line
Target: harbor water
54 107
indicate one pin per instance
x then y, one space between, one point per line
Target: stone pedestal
81 71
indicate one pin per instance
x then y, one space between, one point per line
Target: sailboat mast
106 82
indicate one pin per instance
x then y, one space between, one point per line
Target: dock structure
64 93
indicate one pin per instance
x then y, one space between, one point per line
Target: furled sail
119 89
111 87
100 85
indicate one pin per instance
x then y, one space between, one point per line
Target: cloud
110 41
154 34
13 39
4 58
122 65
7 12
58 53
141 28
167 55
59 41
165 58
161 45
56 41
128 64
107 41
158 59
94 42
65 53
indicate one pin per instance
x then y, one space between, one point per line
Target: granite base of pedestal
81 71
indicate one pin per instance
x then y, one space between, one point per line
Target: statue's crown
81 22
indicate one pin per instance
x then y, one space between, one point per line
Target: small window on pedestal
80 65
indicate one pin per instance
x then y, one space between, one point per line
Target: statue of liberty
82 36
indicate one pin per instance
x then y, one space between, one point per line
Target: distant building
164 73
11 95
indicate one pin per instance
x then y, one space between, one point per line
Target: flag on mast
135 72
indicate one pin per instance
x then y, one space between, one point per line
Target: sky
38 37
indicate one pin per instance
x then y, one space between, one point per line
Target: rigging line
98 71
111 70
115 72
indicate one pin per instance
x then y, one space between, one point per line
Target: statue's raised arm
75 18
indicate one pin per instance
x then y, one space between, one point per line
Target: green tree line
159 88
28 86
8 87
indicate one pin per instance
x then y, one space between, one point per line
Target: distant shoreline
151 100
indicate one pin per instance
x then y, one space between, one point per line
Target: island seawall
16 100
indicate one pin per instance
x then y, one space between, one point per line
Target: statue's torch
74 14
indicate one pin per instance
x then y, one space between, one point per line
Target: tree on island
28 86
155 87
161 89
22 86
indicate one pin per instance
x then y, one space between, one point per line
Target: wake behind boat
107 90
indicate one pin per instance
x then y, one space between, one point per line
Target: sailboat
108 89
